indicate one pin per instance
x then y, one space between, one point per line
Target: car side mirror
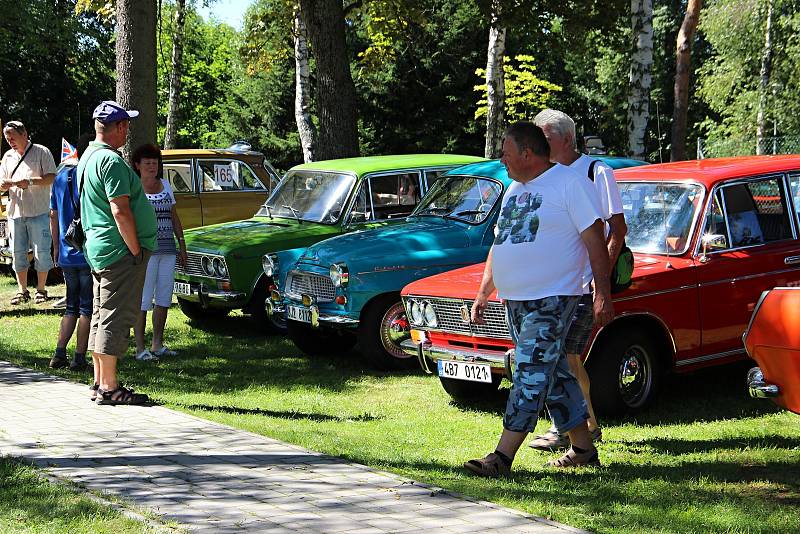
712 242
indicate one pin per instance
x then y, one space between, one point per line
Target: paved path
214 478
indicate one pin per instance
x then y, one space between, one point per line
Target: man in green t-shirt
120 227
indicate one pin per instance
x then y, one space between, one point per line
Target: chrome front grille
450 318
194 267
318 286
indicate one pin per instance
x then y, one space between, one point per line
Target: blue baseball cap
109 111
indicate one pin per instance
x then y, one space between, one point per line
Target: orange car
773 340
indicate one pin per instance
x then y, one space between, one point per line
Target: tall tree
175 74
764 77
302 98
683 62
495 82
336 94
136 67
640 75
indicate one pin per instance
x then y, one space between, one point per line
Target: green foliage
526 94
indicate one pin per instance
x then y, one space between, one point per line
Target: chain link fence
709 148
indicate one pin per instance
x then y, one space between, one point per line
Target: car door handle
791 260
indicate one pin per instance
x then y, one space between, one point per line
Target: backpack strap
591 169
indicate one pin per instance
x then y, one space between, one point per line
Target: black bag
74 235
622 270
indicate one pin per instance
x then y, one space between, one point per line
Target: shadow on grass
279 414
24 311
680 446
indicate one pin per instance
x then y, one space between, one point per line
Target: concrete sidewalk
214 478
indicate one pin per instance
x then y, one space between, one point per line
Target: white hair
559 121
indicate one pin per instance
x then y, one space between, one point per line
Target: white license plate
182 288
474 372
296 313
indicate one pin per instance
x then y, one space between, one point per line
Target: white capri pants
158 281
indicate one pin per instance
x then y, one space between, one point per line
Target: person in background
64 200
26 172
160 277
559 129
120 228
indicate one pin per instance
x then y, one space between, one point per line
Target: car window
715 222
227 175
362 209
756 212
466 198
794 185
432 176
179 175
394 195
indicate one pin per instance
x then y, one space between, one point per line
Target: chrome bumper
204 295
317 318
425 352
758 388
6 256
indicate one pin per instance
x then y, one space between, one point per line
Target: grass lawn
705 458
31 505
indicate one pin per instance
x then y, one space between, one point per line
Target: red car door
760 250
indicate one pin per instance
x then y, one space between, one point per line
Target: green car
314 201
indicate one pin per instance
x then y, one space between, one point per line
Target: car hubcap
394 330
635 376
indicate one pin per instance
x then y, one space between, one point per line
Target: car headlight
415 313
208 268
429 314
270 264
340 276
219 267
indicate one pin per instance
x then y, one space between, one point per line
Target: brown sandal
491 466
20 297
41 296
572 458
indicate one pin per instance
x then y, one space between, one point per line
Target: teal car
314 201
346 290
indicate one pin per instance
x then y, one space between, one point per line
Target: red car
708 236
773 341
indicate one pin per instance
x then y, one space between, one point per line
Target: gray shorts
582 326
117 295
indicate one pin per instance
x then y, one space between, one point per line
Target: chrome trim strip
653 293
748 277
709 357
753 315
791 260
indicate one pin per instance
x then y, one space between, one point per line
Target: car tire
194 311
465 391
257 311
379 342
319 341
625 372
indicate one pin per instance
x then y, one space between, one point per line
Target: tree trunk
683 63
640 75
136 68
336 93
170 134
495 85
302 88
766 71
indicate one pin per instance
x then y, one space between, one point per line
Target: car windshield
659 215
465 198
310 196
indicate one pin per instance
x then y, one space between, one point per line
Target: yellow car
218 185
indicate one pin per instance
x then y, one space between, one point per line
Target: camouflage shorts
539 328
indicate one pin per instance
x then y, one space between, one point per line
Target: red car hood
651 273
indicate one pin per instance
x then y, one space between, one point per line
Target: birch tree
764 77
683 63
640 75
175 74
136 67
302 90
495 83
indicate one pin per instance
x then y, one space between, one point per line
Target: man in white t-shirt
549 228
559 129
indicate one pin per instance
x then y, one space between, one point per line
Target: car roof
495 169
195 152
710 171
387 163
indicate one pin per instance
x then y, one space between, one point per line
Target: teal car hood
421 241
261 233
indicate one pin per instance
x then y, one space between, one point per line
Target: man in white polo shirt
27 172
549 228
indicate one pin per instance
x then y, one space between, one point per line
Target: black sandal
20 297
120 395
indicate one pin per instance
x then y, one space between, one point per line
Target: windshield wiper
432 210
468 212
294 212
